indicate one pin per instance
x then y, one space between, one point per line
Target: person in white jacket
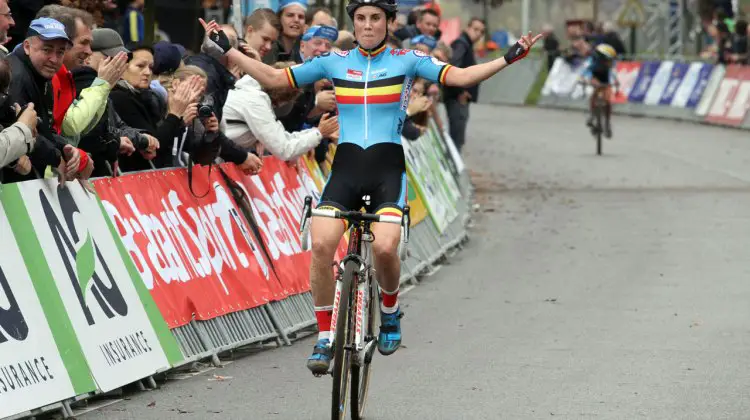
250 117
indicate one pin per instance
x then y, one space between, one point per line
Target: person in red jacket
77 112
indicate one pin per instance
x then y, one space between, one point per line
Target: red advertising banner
277 198
197 256
627 74
732 98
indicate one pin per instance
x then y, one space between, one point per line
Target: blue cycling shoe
389 339
320 360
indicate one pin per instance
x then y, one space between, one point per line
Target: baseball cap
320 31
47 29
108 42
167 57
424 39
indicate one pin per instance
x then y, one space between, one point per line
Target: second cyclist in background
600 73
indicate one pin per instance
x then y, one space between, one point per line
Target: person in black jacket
457 99
32 69
139 107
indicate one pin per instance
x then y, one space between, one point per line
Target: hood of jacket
247 82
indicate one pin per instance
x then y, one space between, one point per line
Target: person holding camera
18 134
202 140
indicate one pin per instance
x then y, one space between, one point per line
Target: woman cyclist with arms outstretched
372 85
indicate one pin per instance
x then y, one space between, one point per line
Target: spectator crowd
724 36
80 97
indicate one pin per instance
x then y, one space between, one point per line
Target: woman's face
139 72
370 26
293 21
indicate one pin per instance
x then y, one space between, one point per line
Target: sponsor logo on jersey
377 74
352 74
399 52
420 53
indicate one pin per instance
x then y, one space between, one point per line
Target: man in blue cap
33 66
424 43
318 40
312 104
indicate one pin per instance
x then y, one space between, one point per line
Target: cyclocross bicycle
356 304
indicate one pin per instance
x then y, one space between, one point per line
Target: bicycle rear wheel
361 374
342 356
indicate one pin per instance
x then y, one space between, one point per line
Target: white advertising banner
105 310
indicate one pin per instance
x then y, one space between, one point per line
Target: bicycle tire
599 128
341 356
361 374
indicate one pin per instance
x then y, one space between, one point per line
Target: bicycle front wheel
361 374
342 356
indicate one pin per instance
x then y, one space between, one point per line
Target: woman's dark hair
138 47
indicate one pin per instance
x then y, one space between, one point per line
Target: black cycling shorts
373 178
601 75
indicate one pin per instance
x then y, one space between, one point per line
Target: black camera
206 107
8 115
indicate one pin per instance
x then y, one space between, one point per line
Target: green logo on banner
85 264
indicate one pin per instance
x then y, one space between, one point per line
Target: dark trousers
458 118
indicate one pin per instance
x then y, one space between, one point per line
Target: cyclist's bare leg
326 234
385 253
388 269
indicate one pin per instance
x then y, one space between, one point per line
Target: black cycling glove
219 40
515 53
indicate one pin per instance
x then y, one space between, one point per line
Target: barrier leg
277 325
206 342
66 411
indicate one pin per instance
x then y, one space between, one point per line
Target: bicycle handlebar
356 216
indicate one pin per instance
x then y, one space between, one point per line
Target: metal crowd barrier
285 320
